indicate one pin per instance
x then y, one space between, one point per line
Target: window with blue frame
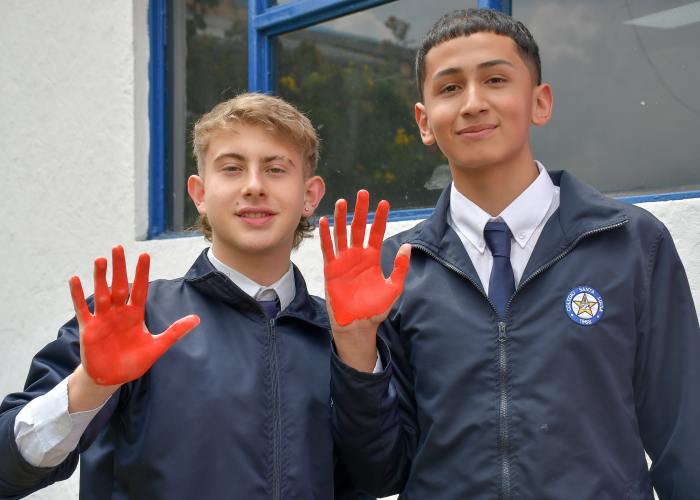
626 115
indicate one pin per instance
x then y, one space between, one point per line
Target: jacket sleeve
344 489
374 418
667 375
50 366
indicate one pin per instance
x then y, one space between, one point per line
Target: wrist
84 393
358 348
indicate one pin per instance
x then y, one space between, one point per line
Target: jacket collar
206 279
582 210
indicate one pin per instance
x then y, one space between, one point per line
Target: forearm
19 478
367 429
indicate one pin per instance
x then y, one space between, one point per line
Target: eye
449 89
275 170
230 167
496 80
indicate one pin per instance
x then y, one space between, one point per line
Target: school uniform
554 394
239 408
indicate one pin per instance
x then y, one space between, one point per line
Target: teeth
254 215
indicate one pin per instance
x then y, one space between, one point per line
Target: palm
116 347
355 284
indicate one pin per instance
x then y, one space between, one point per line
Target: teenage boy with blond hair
546 335
240 407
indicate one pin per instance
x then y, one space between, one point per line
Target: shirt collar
284 288
522 216
527 210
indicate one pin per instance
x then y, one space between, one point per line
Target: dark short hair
466 22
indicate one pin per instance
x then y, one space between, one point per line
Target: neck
493 187
263 268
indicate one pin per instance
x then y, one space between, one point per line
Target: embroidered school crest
584 305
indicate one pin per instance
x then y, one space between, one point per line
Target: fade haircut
282 120
466 22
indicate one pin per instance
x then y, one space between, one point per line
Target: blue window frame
264 23
156 104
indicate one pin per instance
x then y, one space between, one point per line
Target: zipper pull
502 331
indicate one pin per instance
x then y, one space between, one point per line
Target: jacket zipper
276 414
503 411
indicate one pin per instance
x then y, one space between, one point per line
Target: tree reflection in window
360 95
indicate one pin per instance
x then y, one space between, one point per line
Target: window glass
207 62
625 80
354 77
624 76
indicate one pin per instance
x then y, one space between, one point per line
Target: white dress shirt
46 433
284 288
525 217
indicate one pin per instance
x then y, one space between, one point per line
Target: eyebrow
458 70
494 62
231 154
447 71
269 159
240 157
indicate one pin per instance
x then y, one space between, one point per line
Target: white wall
74 165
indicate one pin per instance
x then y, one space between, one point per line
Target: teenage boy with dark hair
546 335
240 408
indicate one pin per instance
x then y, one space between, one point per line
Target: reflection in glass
207 63
626 103
354 78
626 115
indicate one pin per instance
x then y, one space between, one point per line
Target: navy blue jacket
239 408
536 406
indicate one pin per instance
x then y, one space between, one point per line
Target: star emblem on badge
585 305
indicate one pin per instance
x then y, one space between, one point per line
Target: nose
254 184
474 100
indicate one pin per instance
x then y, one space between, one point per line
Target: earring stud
306 208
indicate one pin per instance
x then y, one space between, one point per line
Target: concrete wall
74 162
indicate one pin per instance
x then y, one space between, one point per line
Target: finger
326 242
76 292
359 220
176 331
103 300
120 283
139 290
376 234
401 264
340 223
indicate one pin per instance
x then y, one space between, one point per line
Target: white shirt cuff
45 432
378 367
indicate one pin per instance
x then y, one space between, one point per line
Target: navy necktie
272 307
502 282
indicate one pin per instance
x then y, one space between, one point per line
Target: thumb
176 331
401 264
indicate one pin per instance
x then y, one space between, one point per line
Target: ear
543 101
315 189
195 186
426 132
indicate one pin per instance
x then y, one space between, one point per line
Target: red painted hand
355 285
115 346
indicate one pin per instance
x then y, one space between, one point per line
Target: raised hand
355 286
115 346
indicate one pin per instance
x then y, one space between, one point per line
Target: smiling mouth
477 131
254 215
